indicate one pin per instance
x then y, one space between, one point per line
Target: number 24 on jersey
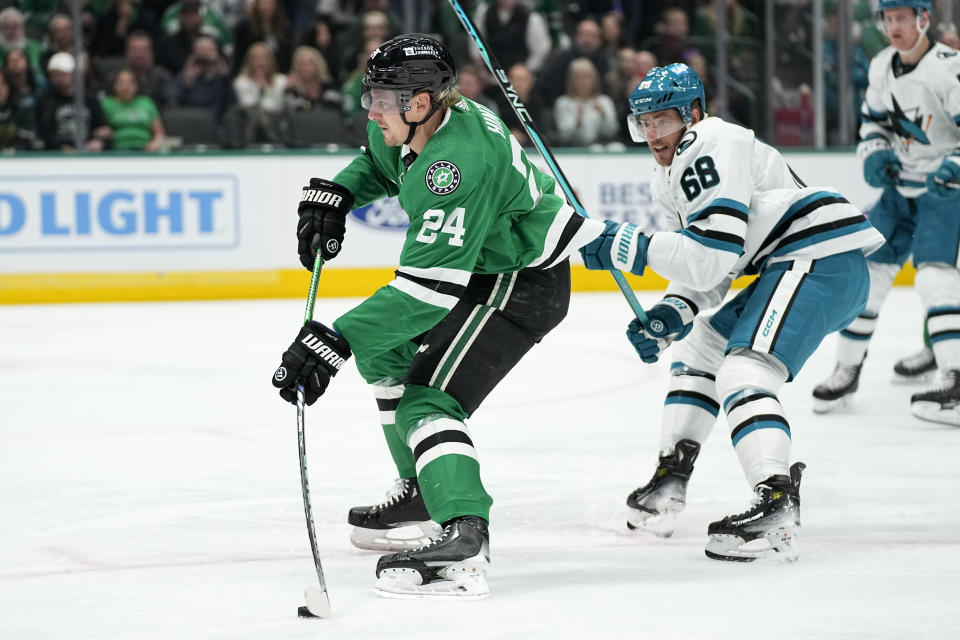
436 222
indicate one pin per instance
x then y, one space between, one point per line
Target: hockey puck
303 612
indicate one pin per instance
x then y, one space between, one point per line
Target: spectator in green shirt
212 23
134 118
13 35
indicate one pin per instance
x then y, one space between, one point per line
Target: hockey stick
915 179
511 95
317 599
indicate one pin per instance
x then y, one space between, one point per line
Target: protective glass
644 127
381 101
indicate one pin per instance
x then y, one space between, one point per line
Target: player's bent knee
881 279
745 369
702 350
420 403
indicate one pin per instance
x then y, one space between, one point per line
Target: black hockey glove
313 358
323 212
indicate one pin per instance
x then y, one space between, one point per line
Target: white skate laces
398 490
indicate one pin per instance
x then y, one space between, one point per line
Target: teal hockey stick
317 598
533 132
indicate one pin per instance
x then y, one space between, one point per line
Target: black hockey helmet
408 64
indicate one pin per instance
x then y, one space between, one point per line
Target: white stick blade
318 602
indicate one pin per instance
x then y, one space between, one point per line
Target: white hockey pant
855 339
691 406
939 287
748 383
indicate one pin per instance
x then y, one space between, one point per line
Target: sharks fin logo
906 127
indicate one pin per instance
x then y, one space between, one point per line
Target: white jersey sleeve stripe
456 276
423 294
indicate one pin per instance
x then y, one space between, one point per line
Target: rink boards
219 226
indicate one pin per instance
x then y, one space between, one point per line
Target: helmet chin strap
413 125
923 32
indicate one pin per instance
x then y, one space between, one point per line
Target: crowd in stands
242 73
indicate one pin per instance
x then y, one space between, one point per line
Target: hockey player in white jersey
910 123
732 207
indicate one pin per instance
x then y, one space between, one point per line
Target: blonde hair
448 97
323 69
258 46
583 64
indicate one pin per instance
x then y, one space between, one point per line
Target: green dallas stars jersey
476 205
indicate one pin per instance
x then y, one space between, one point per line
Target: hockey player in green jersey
483 276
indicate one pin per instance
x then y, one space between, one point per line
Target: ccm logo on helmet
322 197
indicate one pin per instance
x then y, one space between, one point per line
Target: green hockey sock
388 393
448 471
402 456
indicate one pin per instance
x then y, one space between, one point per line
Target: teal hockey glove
621 247
880 164
668 320
937 181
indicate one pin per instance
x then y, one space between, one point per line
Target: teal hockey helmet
674 86
916 5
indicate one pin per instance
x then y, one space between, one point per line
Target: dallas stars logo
909 129
443 177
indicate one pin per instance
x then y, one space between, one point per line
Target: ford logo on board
385 213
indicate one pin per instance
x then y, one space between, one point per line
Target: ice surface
149 489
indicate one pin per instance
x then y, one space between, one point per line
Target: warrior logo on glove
316 355
323 210
319 347
319 196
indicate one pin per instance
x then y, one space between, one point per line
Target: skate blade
778 546
464 581
828 406
414 536
661 525
932 412
927 376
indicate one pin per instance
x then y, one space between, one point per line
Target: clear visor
645 127
889 18
381 101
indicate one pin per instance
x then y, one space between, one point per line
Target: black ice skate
454 566
654 506
399 522
915 368
770 528
939 405
835 392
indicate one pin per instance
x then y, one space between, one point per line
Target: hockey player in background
732 207
483 275
910 119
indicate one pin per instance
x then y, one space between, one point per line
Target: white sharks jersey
733 206
917 112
